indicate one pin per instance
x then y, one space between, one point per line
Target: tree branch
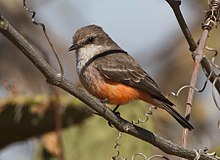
197 54
175 5
121 124
197 59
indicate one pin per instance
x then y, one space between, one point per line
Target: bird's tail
177 116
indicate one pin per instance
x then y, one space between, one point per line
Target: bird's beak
73 47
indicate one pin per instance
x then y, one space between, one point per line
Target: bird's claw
116 113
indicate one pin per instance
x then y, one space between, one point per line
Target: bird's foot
115 110
116 113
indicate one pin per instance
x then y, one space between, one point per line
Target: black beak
73 47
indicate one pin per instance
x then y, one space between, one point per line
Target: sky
134 25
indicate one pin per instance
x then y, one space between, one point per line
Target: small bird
109 73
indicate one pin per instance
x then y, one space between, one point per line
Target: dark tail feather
177 116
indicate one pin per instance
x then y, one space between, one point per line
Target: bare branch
45 33
198 57
121 124
57 107
175 5
197 51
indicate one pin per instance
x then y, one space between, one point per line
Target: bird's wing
121 67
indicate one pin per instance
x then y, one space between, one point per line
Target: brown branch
198 57
175 5
53 89
22 117
121 124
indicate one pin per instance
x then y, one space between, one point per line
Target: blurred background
147 30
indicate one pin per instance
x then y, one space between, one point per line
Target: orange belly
113 92
118 93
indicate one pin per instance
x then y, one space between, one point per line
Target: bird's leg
105 100
115 110
116 113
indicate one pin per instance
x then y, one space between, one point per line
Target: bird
109 73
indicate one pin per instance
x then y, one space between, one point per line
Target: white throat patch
84 54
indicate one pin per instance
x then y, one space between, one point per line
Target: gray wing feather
123 68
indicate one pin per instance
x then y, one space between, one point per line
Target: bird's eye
90 39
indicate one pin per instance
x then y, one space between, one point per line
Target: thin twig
57 105
198 57
121 124
175 5
45 33
197 51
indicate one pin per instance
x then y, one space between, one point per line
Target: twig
45 33
197 51
207 69
198 54
57 105
175 5
198 57
121 124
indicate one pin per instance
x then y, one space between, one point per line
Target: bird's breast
104 89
